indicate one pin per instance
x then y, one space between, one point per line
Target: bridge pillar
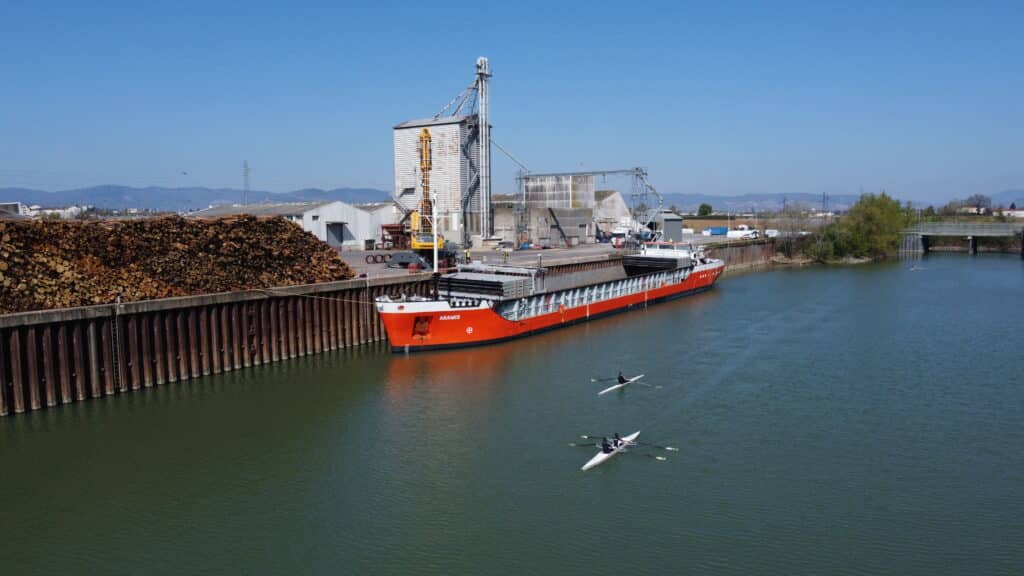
972 245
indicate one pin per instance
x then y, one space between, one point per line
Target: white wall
449 175
386 214
611 211
357 222
361 224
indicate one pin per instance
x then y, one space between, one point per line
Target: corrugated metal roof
371 206
431 122
270 209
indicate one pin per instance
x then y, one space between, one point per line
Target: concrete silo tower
460 178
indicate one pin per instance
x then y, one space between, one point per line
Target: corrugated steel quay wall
742 254
56 357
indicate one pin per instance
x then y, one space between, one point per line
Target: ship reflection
469 371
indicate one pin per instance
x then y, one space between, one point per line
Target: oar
576 445
604 379
633 443
669 448
596 436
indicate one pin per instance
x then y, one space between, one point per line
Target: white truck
743 231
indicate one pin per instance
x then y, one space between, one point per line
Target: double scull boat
600 457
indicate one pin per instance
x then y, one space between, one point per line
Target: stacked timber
57 264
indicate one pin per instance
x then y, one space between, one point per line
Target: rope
315 297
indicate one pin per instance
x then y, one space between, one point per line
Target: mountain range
179 199
1007 197
196 198
758 202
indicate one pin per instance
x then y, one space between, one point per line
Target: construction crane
424 237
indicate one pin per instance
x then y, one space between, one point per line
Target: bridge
918 238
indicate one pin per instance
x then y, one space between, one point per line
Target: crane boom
424 220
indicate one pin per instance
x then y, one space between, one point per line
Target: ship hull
440 324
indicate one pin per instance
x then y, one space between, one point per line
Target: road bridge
918 238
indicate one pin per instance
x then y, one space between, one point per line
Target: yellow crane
422 221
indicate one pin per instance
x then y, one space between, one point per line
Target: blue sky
923 99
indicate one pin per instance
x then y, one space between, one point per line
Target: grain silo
460 168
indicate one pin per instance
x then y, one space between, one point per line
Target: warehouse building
544 226
340 225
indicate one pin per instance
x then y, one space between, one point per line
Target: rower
617 441
605 446
622 379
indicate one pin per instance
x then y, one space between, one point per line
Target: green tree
872 228
980 202
704 210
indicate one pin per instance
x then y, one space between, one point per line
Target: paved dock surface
356 259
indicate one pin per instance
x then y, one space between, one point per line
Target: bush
871 229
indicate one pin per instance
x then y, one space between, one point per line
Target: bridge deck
961 229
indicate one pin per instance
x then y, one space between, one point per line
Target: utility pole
245 182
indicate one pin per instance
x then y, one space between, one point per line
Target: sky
921 99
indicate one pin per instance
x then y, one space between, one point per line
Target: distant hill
759 202
179 199
1007 197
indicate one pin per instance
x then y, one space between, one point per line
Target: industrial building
558 190
340 225
543 226
442 185
14 208
669 224
454 177
458 172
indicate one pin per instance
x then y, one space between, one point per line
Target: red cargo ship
487 304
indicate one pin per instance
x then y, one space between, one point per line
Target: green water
863 420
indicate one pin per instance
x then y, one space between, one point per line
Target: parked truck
716 231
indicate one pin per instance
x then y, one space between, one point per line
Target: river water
860 420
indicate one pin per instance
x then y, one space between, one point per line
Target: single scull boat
620 386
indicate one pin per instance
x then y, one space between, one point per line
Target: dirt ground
699 224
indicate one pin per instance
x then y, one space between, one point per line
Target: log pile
58 264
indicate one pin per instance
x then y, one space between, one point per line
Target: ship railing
540 304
